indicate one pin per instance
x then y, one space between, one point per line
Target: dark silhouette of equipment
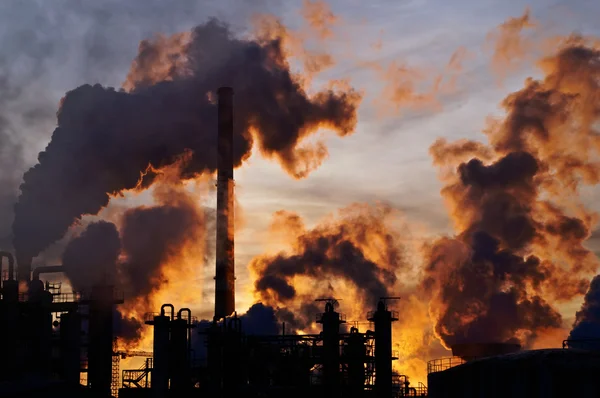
383 318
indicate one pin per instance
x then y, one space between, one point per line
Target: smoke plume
106 139
91 257
157 248
511 45
156 236
519 220
356 254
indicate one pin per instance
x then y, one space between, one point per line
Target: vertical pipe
331 350
11 264
160 370
225 269
101 339
178 358
383 351
70 343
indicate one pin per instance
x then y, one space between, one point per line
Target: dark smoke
520 222
333 256
91 257
587 320
151 236
127 328
485 293
106 138
332 251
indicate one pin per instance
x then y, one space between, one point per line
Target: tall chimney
225 272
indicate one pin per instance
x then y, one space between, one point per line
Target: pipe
189 328
46 269
171 306
11 264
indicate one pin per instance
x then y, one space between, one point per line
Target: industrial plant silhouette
58 344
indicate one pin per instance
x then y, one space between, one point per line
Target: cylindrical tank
383 349
214 340
331 349
10 291
100 339
70 347
355 353
9 315
548 373
179 369
233 367
39 327
160 369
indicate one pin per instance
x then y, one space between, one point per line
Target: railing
66 297
72 297
149 316
191 319
440 364
56 298
319 317
138 377
421 390
371 315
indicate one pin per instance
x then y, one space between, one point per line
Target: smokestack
225 272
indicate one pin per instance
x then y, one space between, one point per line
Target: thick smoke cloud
587 320
106 138
50 46
519 220
152 236
359 249
154 244
91 257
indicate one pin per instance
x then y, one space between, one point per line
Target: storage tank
383 319
330 359
70 347
100 342
179 363
549 373
160 370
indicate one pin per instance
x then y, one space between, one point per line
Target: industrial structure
498 370
63 344
225 269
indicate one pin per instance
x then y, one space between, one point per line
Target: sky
48 47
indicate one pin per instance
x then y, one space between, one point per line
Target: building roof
551 356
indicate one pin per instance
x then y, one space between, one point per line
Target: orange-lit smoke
309 44
164 247
163 113
356 256
511 46
519 220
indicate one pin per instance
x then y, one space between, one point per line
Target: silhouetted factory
62 344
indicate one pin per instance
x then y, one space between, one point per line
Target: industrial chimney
225 270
